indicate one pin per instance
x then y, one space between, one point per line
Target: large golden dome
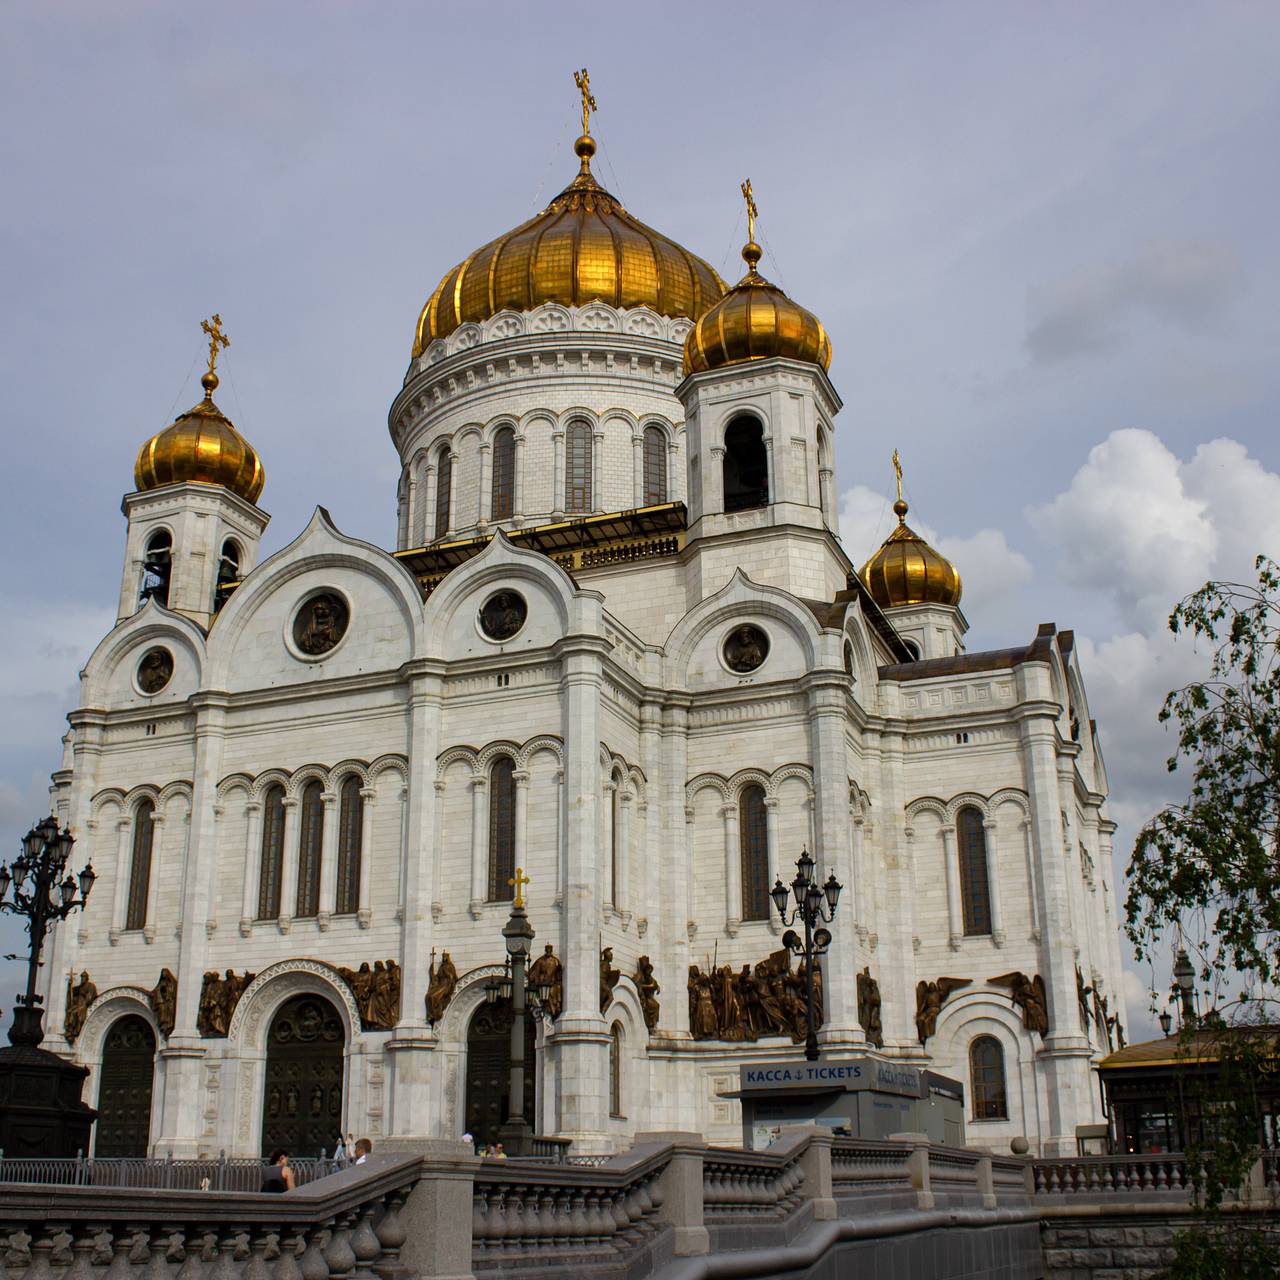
581 248
202 447
754 321
907 570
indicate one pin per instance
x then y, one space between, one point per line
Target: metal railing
158 1173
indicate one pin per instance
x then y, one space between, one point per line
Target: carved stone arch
971 1013
597 317
389 763
703 782
421 458
268 779
307 773
783 772
468 996
615 413
665 425
745 778
232 783
567 416
859 800
505 324
638 783
534 416
495 424
550 317
108 795
644 322
336 776
966 800
625 1007
678 329
855 634
465 432
111 1005
179 787
489 753
1010 795
734 413
455 755
926 804
543 742
143 791
276 984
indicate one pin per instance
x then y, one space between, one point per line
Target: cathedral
618 663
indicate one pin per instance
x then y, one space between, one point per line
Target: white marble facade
624 724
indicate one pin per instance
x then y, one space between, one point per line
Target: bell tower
194 526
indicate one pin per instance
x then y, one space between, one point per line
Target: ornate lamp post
1185 975
815 903
517 1133
40 1108
40 894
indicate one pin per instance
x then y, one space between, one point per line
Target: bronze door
489 1071
124 1089
302 1098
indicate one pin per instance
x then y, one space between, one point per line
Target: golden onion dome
201 447
907 570
754 321
583 247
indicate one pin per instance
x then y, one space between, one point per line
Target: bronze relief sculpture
503 614
745 649
547 971
767 1000
163 998
647 986
608 978
218 1000
376 990
930 997
320 623
869 1008
155 670
1027 994
440 988
80 995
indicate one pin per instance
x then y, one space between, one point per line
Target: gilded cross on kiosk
583 80
518 881
216 338
752 211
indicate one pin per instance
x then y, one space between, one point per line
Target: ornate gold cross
583 81
752 212
518 881
897 471
216 338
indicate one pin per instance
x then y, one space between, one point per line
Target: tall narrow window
975 889
655 466
753 840
986 1079
746 466
157 568
577 468
504 474
615 1070
444 491
140 864
350 823
502 828
271 875
310 850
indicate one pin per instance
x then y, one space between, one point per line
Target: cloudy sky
1041 236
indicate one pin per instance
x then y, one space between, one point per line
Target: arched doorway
489 1070
302 1096
124 1088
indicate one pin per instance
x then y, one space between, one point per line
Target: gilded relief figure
703 1023
80 995
768 1000
608 978
164 1002
1029 995
384 996
647 986
869 1008
218 1000
547 971
930 997
440 989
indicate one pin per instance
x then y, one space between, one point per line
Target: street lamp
33 886
1166 1021
814 903
1185 975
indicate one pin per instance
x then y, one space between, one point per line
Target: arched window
986 1079
504 474
157 568
270 877
228 573
746 466
753 840
350 823
444 491
655 466
502 828
975 889
310 849
140 864
577 468
615 1070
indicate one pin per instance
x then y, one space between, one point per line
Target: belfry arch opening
157 568
745 466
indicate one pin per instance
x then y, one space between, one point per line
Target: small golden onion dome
754 321
907 570
201 447
583 247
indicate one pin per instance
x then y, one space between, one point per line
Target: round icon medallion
320 623
503 614
745 648
155 670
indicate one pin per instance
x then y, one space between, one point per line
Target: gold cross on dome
518 882
752 212
583 80
216 338
897 471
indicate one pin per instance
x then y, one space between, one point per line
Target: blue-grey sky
1042 238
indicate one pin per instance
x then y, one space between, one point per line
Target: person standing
279 1177
363 1149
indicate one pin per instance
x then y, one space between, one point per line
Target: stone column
713 483
649 828
825 476
673 865
521 779
328 859
859 890
732 870
991 834
479 844
951 866
557 479
637 469
484 496
289 860
368 796
894 965
597 470
561 868
771 805
252 867
1033 876
120 896
427 501
581 1037
673 470
409 512
153 877
451 519
517 498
